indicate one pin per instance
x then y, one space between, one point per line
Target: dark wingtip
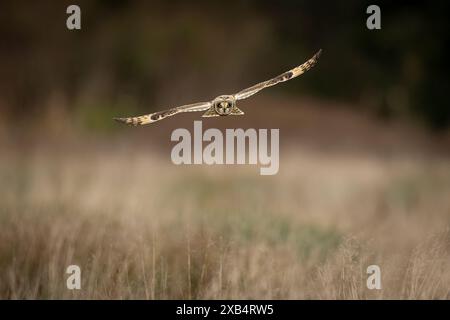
318 53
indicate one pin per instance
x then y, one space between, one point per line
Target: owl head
224 104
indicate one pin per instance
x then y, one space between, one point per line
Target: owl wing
291 74
153 117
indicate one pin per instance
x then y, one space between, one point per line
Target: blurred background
364 165
143 56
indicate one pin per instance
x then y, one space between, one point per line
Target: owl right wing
288 75
153 117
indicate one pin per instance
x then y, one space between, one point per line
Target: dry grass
140 227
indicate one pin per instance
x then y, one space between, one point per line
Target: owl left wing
160 115
288 75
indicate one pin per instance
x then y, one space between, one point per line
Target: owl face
224 104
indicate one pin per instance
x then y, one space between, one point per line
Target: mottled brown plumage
225 104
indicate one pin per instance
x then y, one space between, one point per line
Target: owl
223 105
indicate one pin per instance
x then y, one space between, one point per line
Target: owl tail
212 113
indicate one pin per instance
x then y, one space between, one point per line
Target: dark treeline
132 55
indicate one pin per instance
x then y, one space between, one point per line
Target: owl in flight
223 105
